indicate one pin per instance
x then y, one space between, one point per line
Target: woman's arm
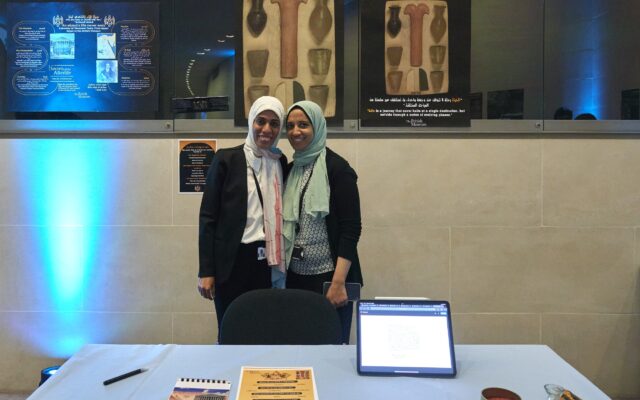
337 293
209 212
344 189
347 212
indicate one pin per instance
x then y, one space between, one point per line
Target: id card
262 253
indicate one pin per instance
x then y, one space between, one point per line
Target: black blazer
223 212
344 224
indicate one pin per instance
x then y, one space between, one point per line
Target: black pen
124 376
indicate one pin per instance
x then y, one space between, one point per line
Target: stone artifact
413 82
437 54
257 91
256 18
319 94
257 60
438 24
319 61
298 92
394 24
424 82
436 80
416 14
288 37
394 55
320 21
394 78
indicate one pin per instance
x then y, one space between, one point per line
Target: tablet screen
405 337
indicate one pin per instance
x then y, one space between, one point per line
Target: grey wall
532 239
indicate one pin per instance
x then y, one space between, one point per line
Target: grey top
313 238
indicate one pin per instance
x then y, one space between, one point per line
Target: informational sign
195 158
415 63
82 57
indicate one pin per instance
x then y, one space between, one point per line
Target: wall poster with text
292 50
414 63
82 57
195 158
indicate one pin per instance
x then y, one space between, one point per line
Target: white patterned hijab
266 165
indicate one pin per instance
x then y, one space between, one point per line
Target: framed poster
82 57
292 50
414 62
195 159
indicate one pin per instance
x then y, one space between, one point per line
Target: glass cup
554 391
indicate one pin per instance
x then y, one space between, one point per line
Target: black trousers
314 283
248 273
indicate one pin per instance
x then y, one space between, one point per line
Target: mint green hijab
316 198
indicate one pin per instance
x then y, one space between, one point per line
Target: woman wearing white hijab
240 241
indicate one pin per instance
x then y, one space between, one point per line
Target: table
521 368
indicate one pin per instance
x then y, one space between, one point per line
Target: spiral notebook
200 389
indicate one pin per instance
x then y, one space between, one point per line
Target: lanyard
255 178
304 190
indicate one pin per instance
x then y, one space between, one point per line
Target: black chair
280 316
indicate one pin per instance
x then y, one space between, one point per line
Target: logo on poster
109 21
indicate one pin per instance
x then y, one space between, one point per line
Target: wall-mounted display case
555 54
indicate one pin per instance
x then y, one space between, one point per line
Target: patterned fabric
271 173
318 191
313 238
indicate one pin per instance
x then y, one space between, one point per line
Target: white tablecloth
523 369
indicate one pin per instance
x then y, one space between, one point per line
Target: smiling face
266 128
299 129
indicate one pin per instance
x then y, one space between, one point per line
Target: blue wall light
66 186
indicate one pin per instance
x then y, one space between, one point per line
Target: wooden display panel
416 47
294 56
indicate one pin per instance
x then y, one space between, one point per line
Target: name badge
262 253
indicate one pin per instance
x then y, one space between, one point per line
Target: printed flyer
277 383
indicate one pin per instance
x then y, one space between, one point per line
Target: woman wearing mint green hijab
321 211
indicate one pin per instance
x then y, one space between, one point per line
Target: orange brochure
277 383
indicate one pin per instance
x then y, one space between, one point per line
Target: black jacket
344 223
223 212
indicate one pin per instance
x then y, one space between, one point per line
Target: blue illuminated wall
582 54
66 186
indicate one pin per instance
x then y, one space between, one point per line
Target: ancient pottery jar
438 24
257 91
319 95
394 55
256 18
436 80
319 61
394 24
320 21
436 54
394 78
257 60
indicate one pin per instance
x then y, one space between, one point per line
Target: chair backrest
280 316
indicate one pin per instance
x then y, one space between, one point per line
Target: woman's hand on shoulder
206 287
